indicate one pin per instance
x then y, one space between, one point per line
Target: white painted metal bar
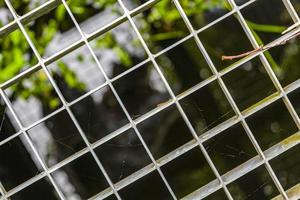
118 98
234 106
41 61
277 84
221 181
2 94
291 10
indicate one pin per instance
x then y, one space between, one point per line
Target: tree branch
262 48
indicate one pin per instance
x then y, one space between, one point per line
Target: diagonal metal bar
4 97
279 87
118 98
193 132
221 181
235 108
41 62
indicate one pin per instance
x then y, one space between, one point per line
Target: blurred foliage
109 42
164 13
12 58
16 54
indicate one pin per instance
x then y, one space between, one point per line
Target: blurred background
97 111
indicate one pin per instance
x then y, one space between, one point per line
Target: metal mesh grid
262 158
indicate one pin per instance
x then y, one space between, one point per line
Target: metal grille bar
262 158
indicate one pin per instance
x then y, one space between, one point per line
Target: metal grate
221 181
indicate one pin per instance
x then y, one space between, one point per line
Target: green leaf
124 57
267 28
70 77
60 13
54 103
16 37
167 35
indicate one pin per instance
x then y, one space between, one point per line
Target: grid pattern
222 181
